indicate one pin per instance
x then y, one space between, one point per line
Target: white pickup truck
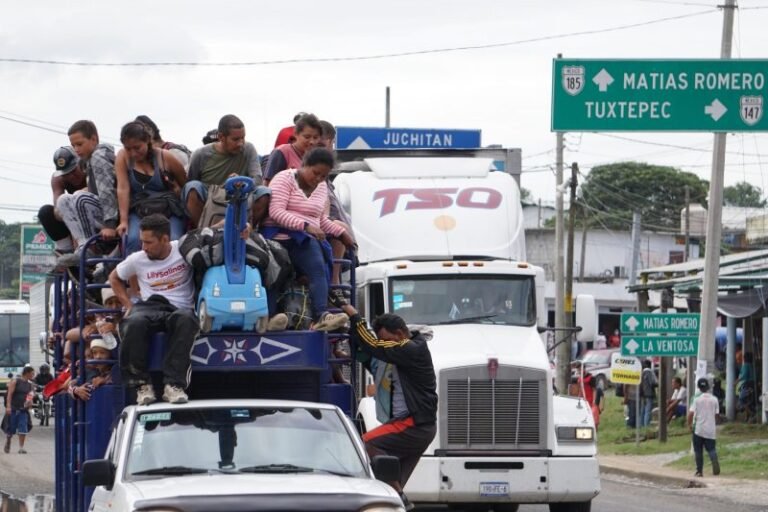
239 455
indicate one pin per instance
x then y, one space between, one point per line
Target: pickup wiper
171 470
276 468
467 320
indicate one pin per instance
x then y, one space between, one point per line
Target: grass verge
742 448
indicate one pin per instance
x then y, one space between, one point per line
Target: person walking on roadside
648 384
18 401
702 420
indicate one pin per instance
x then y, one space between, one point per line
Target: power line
360 57
33 125
28 164
674 146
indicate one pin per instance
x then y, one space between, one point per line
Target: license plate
237 306
494 489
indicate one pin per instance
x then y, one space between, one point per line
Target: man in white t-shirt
166 305
704 411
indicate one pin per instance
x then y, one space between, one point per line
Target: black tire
583 506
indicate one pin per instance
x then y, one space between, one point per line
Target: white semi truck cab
441 243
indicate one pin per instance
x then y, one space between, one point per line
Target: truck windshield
487 299
241 440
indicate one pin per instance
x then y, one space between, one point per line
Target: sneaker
715 467
698 474
337 297
145 395
7 447
22 451
71 259
330 322
174 394
279 322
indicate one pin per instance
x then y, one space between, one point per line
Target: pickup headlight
575 434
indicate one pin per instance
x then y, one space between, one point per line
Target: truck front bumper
504 479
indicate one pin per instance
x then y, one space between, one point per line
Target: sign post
659 95
628 370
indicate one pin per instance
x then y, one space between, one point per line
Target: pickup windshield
233 440
487 299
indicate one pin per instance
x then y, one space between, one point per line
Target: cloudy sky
505 89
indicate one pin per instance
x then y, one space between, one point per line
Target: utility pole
583 242
633 264
386 109
569 321
706 354
563 351
687 222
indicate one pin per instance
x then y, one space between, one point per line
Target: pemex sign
37 257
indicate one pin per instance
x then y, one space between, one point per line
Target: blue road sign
356 137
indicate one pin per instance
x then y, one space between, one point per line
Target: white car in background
239 455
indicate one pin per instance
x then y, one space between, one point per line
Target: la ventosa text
669 82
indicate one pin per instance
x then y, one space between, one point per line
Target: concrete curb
656 478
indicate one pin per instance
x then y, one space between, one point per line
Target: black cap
65 160
702 384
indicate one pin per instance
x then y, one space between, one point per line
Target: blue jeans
307 257
19 422
132 242
699 445
646 407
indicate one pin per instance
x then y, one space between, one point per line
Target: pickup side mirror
98 472
586 318
386 468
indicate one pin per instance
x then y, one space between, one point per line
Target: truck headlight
575 433
216 292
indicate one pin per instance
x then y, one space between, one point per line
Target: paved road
32 474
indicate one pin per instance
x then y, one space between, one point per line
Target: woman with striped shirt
298 219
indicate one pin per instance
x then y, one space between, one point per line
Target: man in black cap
704 411
68 178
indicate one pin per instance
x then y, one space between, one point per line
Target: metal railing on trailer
286 365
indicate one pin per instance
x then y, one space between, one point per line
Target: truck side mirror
386 468
98 472
586 318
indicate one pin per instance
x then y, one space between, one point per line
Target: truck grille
480 413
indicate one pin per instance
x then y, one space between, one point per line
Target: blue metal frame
82 429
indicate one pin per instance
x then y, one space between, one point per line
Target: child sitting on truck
95 374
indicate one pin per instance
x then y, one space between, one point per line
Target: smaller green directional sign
659 323
645 346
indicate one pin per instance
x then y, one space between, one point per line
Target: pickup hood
228 485
473 344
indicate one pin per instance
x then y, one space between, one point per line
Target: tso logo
437 198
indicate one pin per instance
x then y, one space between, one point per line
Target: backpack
204 248
295 303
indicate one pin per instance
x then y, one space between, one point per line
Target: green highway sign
659 95
645 346
659 323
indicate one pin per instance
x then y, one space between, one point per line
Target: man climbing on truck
413 397
167 302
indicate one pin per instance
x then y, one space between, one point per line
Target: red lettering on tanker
437 198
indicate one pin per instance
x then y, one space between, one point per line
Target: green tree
610 193
744 194
525 195
10 254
